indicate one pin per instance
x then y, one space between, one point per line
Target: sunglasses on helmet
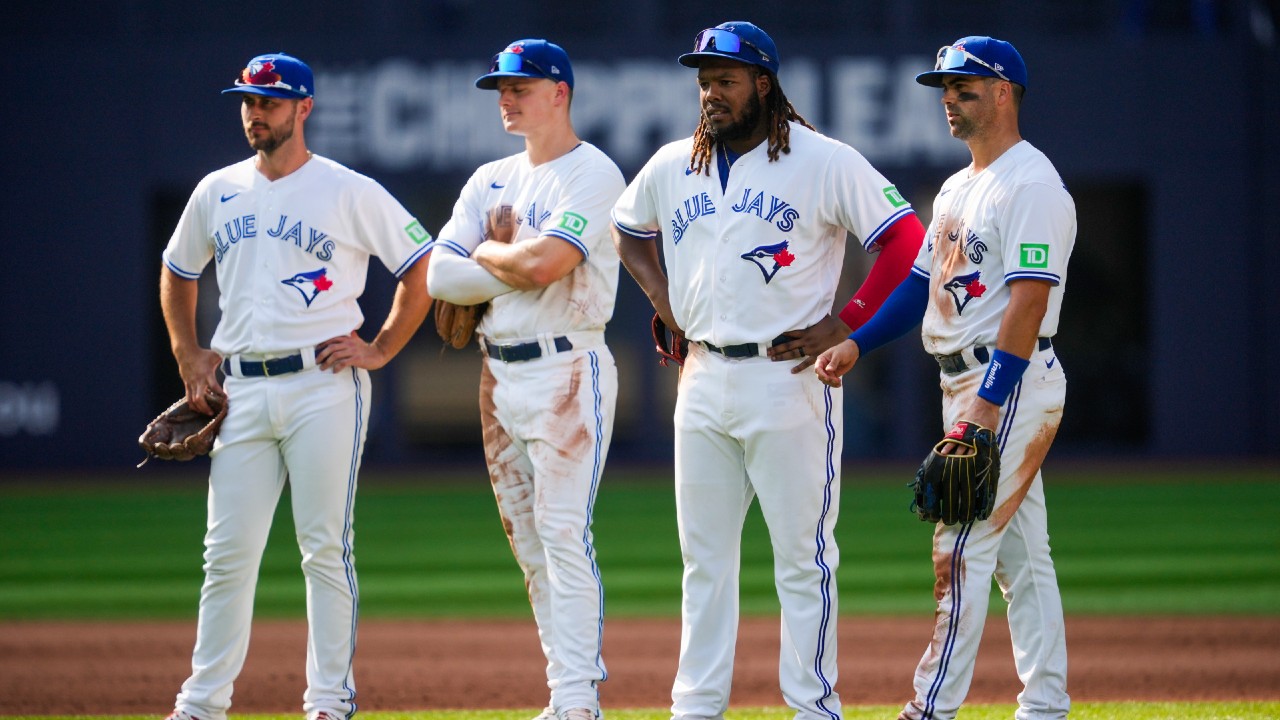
724 41
515 62
953 58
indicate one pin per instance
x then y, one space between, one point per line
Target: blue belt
266 368
520 352
743 350
955 364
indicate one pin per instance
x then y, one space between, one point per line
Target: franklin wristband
1003 373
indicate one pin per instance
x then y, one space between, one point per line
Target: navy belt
955 364
266 368
520 352
744 350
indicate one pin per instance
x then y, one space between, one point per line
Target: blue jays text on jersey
246 226
752 202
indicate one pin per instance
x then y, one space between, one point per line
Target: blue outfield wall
1167 141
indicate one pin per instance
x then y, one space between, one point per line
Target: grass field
1179 542
1122 544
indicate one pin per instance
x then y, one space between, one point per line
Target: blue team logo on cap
770 259
309 284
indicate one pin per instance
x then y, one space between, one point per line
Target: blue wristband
1003 373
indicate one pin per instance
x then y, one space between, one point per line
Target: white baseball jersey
1014 220
548 421
291 258
763 256
569 198
745 264
291 254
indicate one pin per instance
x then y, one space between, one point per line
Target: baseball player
989 284
290 234
753 212
529 234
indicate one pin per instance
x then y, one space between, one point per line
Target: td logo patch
574 223
417 233
894 197
1034 255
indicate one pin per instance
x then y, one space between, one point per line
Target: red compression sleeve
899 245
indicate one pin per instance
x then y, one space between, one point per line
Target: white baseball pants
748 429
547 427
309 428
1013 547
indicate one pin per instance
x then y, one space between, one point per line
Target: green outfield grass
1167 542
1079 711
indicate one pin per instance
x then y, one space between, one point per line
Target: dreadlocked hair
777 108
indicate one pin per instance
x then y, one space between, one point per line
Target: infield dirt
137 668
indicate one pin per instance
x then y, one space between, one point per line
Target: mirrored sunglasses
514 63
713 39
953 58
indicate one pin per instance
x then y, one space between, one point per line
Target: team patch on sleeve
894 197
1033 255
417 233
574 223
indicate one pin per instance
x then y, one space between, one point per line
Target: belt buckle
266 369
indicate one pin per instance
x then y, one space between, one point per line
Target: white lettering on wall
400 115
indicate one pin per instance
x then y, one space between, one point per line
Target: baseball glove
959 487
456 324
182 432
671 345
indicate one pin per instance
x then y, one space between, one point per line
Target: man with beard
291 234
754 212
989 284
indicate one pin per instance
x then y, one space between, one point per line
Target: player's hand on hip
810 342
199 370
339 353
837 361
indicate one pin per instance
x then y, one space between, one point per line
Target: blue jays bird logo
770 258
309 284
969 286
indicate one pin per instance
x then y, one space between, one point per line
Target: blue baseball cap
977 55
276 75
530 58
737 40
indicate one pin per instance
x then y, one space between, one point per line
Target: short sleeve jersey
568 198
1013 221
292 254
764 255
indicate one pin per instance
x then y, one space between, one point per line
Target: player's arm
461 280
528 265
640 257
1015 344
197 366
408 310
899 245
902 311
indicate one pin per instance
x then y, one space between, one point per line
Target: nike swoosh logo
496 186
228 197
1049 363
